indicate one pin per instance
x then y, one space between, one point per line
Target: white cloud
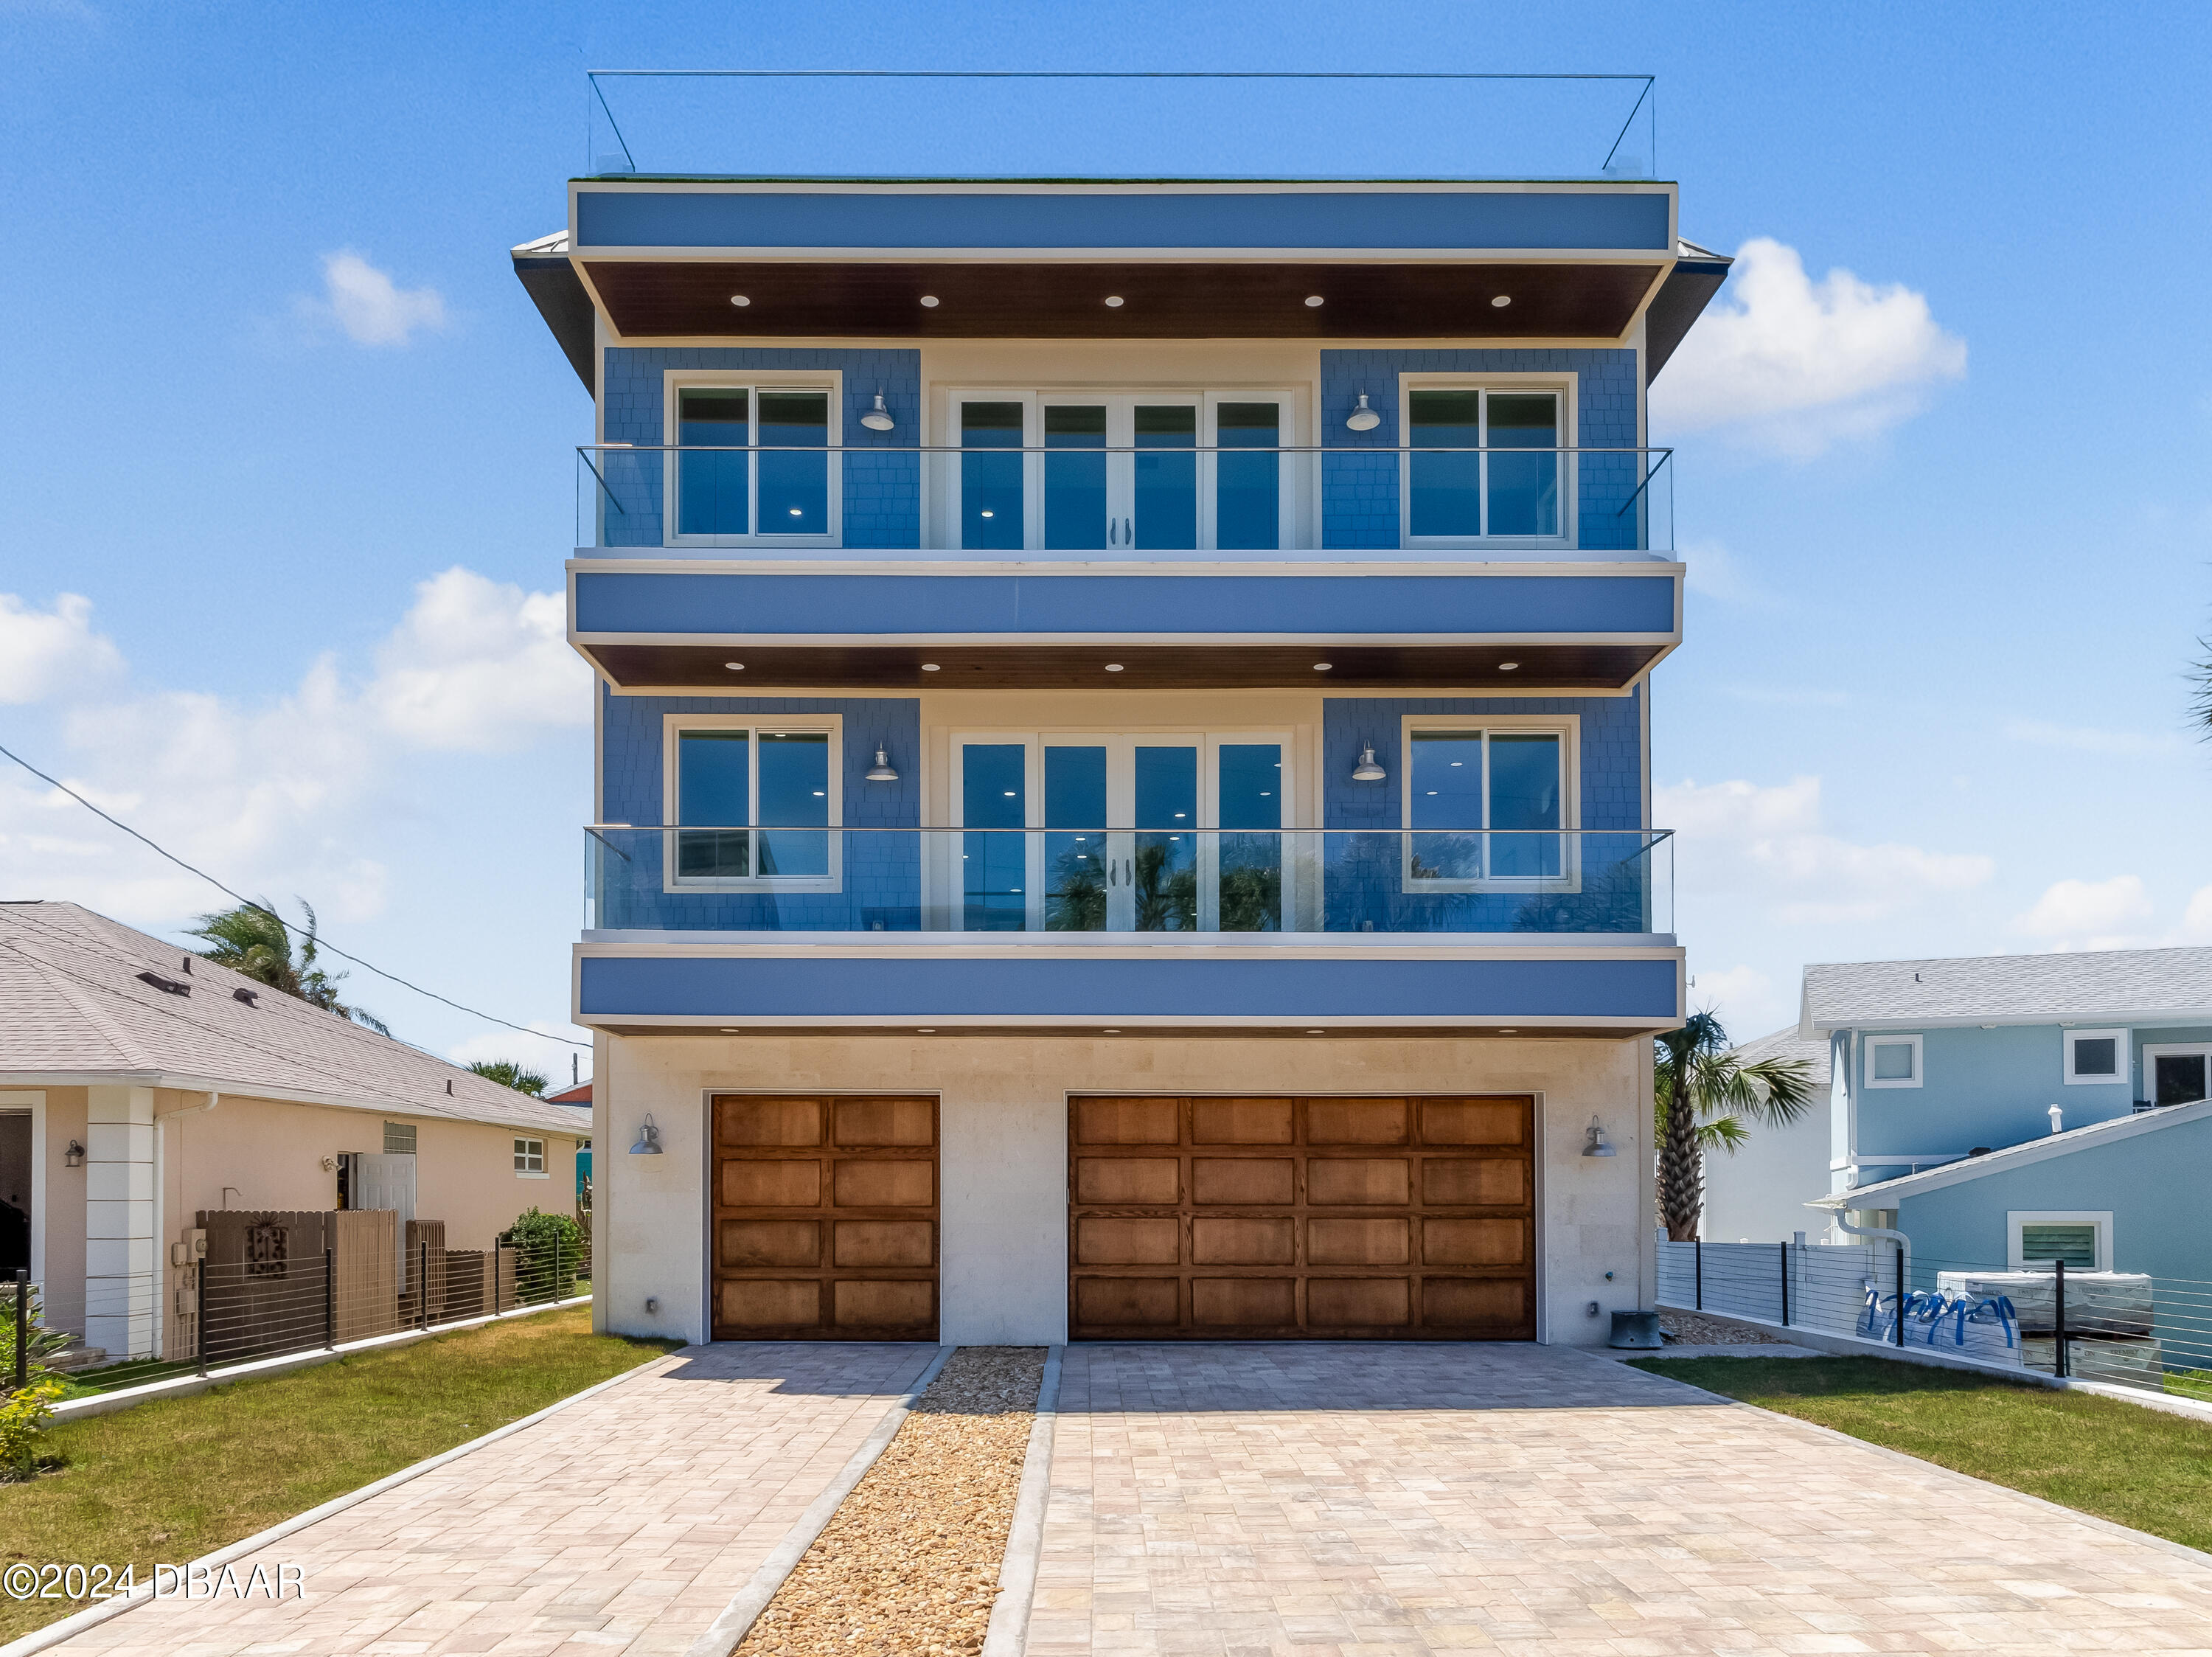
2197 919
478 666
2089 914
2087 739
1715 572
52 655
546 1052
1746 999
1791 365
278 798
371 309
1767 844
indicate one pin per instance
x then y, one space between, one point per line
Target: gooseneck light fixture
881 772
878 418
648 1139
1370 769
1596 1145
1363 418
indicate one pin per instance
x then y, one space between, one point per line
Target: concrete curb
1008 1634
178 1386
54 1633
737 1617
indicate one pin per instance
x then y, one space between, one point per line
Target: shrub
549 1247
23 1417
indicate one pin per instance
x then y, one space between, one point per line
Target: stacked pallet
2111 1320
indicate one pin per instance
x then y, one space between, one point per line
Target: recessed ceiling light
1508 1032
929 301
929 666
1314 300
739 300
1109 1033
735 666
1324 667
926 1030
1502 300
729 1029
1113 301
1113 666
1508 666
1316 1033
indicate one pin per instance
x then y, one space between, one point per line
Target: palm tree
508 1074
1701 1094
253 939
2200 698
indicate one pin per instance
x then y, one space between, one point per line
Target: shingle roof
2139 985
72 1003
1813 1052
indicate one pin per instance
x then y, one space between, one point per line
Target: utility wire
320 942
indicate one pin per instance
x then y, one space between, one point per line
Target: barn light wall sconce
1596 1145
1370 769
648 1139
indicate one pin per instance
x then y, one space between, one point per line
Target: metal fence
2133 1329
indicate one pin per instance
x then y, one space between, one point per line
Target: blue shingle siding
882 871
1359 492
1365 884
882 499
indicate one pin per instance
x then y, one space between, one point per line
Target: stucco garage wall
1003 1124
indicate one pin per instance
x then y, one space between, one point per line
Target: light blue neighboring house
2007 1108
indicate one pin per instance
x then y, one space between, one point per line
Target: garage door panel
837 1246
1115 1303
1216 1240
1126 1240
1225 1181
1358 1302
1358 1122
1474 1182
1359 1181
1129 1121
1341 1242
1331 1218
1244 1303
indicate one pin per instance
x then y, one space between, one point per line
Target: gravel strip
909 1566
1694 1329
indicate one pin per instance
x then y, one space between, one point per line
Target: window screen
399 1139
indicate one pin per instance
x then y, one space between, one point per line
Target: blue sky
288 479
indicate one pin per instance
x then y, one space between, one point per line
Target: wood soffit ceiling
1083 667
1178 300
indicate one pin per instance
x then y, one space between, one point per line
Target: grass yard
175 1479
2137 1467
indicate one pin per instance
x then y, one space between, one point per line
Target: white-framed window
1090 469
2177 1072
754 801
2083 1238
1489 802
529 1159
1499 469
1890 1061
755 463
2095 1058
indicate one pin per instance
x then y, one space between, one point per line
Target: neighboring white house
140 1084
1758 1194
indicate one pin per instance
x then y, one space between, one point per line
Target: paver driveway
1373 1500
621 1524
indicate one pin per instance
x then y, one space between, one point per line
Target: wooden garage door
825 1219
1399 1219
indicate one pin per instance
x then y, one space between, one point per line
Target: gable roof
1885 1193
73 1004
2122 986
1811 1051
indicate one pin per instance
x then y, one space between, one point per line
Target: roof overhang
2009 1157
182 1081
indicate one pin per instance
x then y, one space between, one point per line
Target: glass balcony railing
1077 124
1135 499
1166 881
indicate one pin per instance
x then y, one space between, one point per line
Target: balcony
1064 886
1169 499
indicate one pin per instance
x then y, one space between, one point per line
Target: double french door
1143 471
1081 831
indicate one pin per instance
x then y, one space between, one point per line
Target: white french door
1116 831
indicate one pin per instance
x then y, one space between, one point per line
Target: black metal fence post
1698 1253
330 1300
2059 1366
1900 1294
22 1327
422 1284
1785 1247
199 1311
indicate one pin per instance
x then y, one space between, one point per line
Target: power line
320 943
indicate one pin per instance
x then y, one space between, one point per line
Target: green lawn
175 1479
2139 1467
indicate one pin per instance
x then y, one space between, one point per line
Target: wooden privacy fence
276 1281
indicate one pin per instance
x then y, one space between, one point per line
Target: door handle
1111 873
1109 532
1129 535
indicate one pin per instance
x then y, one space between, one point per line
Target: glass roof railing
1079 126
